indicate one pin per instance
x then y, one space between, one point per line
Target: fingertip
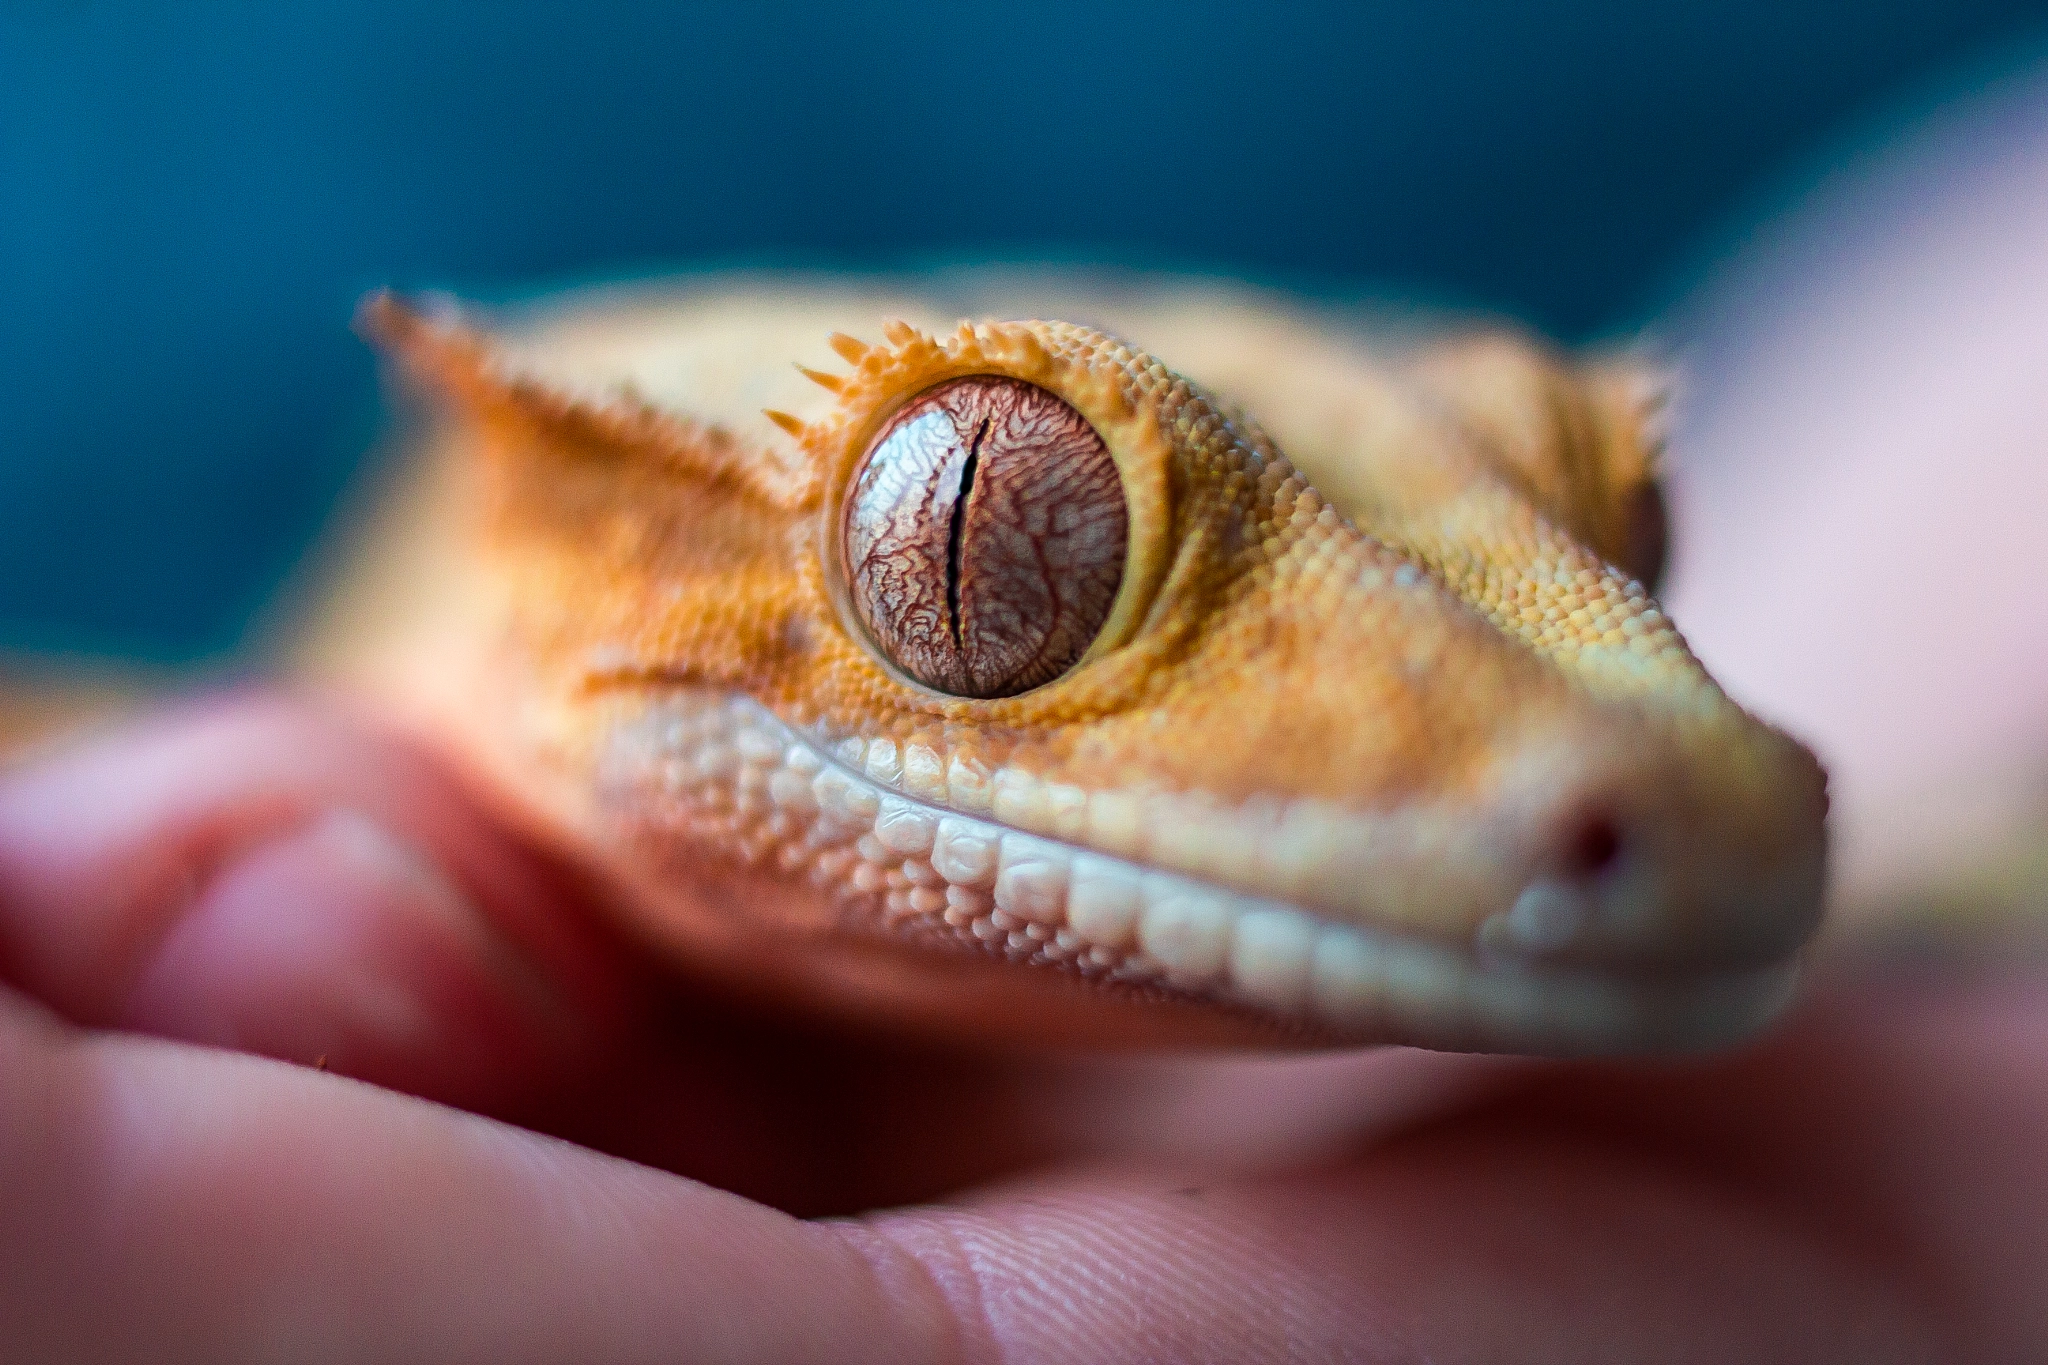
337 943
255 872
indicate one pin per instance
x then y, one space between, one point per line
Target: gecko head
1017 682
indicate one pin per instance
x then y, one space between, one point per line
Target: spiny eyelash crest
726 773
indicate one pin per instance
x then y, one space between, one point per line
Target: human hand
292 887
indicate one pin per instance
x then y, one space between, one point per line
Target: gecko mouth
738 776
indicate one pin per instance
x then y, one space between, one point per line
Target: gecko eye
984 537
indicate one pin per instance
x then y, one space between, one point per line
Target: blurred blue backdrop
193 193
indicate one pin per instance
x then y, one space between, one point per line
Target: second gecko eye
984 537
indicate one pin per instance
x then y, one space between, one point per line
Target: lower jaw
727 774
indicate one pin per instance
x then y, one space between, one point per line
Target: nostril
1592 847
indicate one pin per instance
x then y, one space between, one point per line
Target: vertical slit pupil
958 530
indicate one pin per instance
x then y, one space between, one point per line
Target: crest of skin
1379 742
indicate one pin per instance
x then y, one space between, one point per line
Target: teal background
193 194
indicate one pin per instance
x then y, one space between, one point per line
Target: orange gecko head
1003 679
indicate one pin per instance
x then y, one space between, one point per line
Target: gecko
1137 663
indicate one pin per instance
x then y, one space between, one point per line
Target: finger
1865 1189
218 1205
1904 1119
221 1207
253 873
172 1203
1539 1252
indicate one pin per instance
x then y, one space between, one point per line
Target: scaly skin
1377 744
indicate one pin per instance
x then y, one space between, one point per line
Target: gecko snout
1662 863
